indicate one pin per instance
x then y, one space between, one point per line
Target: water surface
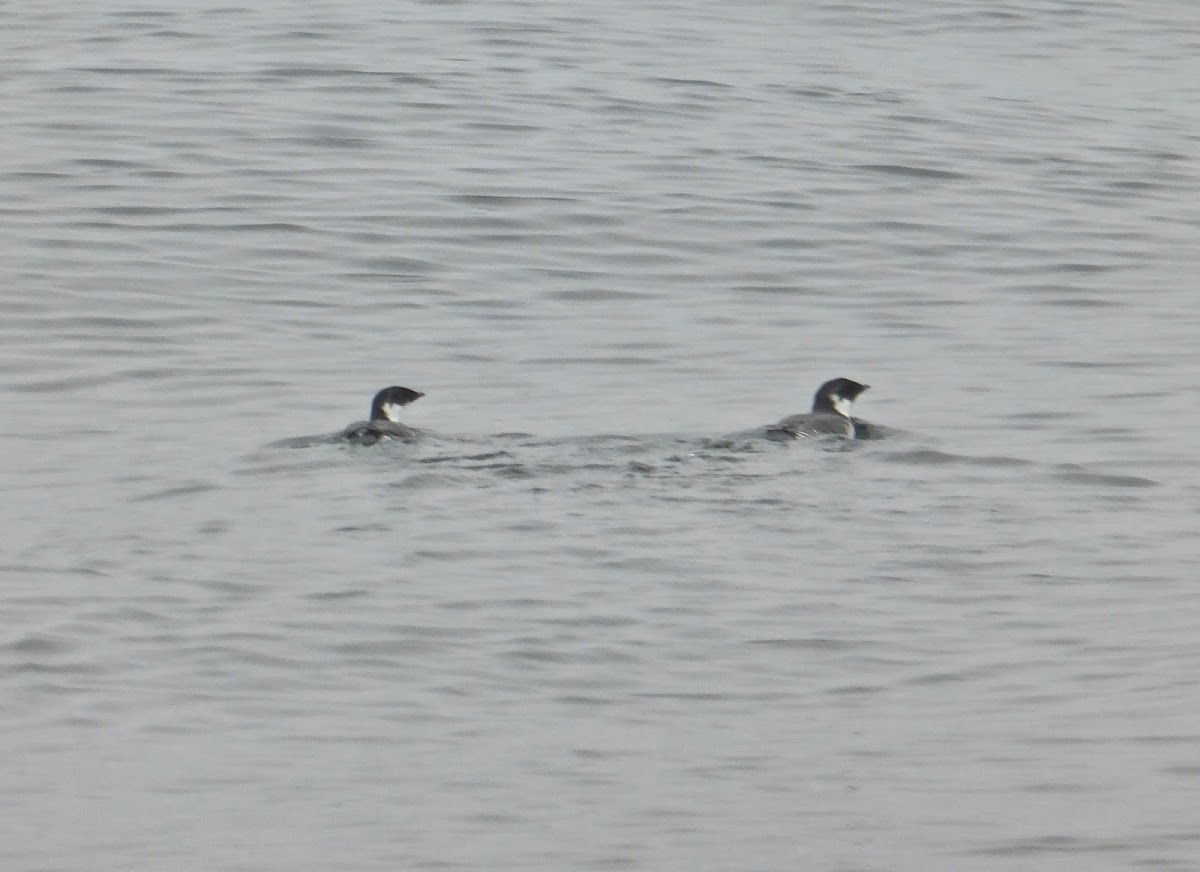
574 627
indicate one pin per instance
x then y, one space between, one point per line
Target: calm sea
574 628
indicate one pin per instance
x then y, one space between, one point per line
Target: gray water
573 627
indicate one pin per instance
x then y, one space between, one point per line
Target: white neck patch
390 411
841 405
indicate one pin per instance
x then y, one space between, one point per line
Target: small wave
1079 475
184 490
932 457
911 171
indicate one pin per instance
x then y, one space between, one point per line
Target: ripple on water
933 457
1075 474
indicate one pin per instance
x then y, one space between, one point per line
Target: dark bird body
383 423
830 415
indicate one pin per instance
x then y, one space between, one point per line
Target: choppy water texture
574 627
